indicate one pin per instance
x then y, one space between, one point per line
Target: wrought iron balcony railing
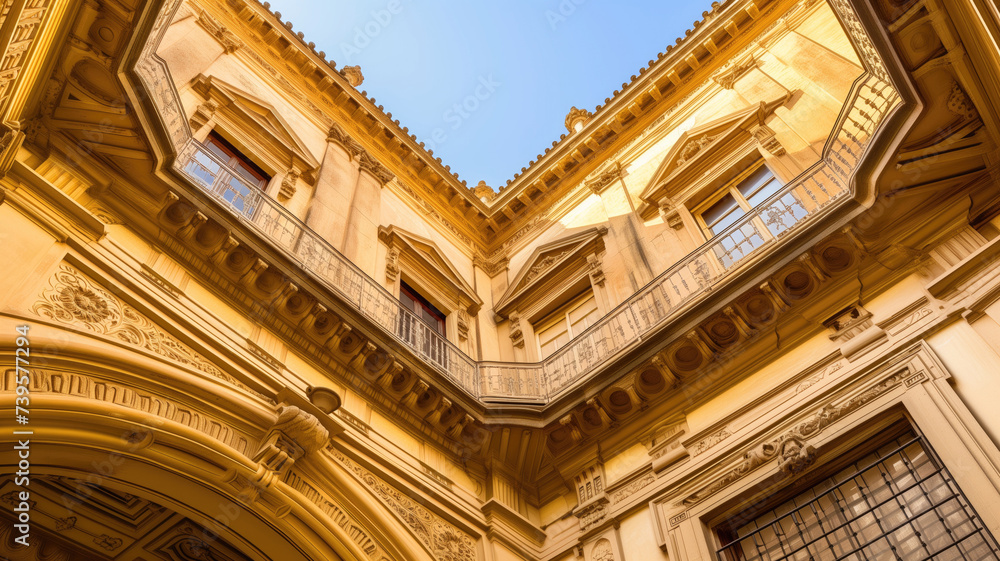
812 193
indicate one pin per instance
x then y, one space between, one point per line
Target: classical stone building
748 308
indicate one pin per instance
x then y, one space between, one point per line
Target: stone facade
265 323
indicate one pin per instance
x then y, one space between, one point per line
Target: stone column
334 191
361 240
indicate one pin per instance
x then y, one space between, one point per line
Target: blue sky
487 85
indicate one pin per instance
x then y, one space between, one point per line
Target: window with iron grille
897 503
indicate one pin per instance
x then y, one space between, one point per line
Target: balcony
797 204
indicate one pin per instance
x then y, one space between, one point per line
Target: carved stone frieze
445 542
129 396
593 513
623 493
791 449
795 455
72 299
709 441
543 265
340 517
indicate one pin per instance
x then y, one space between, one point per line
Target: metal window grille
895 504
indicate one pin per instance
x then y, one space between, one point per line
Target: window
237 182
897 503
424 331
423 309
747 192
567 322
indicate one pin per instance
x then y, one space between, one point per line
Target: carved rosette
72 299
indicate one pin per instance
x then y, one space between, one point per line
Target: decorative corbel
669 214
516 335
203 114
767 140
288 184
463 325
595 270
392 264
293 435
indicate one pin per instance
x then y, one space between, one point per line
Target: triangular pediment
549 260
260 118
428 260
697 145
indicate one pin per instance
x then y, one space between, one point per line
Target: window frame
561 313
419 299
237 156
725 534
731 187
